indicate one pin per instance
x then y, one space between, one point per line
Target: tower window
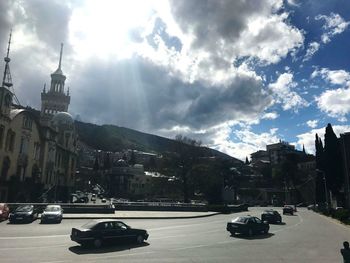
2 132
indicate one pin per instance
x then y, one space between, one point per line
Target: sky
236 75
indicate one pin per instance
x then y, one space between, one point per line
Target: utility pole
325 187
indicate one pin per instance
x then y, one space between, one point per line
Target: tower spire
7 79
59 65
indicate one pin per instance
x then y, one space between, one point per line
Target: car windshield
26 208
52 208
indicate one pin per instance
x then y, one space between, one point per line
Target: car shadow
278 224
20 222
80 250
261 236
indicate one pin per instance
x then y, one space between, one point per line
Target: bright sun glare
103 28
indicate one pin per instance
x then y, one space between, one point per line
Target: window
27 122
10 140
2 132
36 153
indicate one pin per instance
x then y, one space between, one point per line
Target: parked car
271 216
103 200
287 209
100 232
4 211
248 225
52 213
24 213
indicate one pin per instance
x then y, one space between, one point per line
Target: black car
24 213
271 216
287 209
52 213
248 225
100 232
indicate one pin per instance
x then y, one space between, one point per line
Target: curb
333 220
144 217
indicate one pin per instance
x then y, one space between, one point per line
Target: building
37 149
278 151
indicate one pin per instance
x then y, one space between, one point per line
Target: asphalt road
304 237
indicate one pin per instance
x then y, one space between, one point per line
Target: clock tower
5 89
55 99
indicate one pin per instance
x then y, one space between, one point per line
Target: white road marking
235 240
35 247
184 235
33 237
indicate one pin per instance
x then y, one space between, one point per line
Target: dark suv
271 216
287 209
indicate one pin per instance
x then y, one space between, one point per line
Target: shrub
342 215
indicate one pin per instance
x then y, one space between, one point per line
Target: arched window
10 140
5 167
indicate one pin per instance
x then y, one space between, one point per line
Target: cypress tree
333 161
319 182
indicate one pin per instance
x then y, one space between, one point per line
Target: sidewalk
141 215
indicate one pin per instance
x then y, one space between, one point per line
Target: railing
160 206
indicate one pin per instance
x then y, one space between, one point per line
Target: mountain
114 138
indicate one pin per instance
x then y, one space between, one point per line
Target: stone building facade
37 149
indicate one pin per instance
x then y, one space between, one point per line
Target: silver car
52 213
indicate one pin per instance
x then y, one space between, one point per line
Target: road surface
304 237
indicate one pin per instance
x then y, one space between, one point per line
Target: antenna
59 65
7 79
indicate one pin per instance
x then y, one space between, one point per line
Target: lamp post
325 186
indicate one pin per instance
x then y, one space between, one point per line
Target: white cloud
249 141
308 139
312 123
336 77
311 50
282 90
336 103
334 24
237 30
270 115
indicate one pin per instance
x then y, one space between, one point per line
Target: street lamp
325 186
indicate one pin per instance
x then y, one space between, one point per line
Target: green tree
187 150
107 162
132 158
333 160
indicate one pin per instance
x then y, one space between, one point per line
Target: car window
121 225
257 220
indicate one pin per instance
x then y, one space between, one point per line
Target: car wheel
139 239
97 243
250 232
232 233
266 231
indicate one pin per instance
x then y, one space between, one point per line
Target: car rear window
89 225
240 220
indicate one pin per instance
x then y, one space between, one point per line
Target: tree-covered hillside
114 138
